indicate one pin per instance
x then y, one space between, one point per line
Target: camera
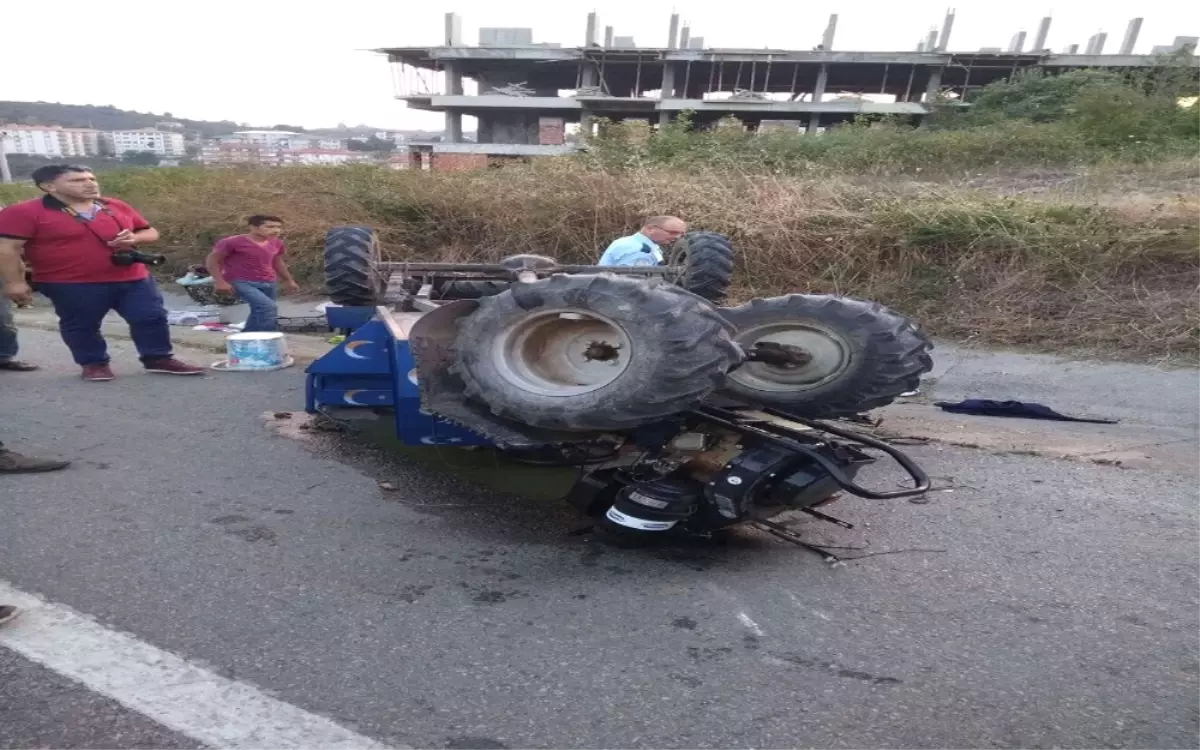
129 257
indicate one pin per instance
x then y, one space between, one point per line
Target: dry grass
1104 262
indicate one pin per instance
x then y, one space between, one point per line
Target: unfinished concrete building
523 93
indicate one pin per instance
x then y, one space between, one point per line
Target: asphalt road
1057 606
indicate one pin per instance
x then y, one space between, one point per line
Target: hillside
112 118
101 117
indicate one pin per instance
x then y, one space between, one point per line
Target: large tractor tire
594 352
860 355
707 258
351 267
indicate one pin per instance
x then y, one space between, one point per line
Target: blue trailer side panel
371 369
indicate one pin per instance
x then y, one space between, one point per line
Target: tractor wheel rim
562 353
831 356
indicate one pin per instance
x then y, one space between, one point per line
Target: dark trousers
81 309
8 329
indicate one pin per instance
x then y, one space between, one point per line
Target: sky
268 62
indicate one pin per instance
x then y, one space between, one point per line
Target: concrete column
589 76
453 127
827 39
454 83
1131 36
608 37
947 26
1095 45
935 84
454 87
931 41
1039 40
822 79
673 32
592 35
685 36
485 132
1071 49
1017 44
814 122
668 86
453 30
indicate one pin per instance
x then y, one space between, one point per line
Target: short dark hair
52 172
257 220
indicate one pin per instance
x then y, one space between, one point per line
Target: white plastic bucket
256 351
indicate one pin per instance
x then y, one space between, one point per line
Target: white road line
751 625
193 701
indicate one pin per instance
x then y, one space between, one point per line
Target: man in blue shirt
644 248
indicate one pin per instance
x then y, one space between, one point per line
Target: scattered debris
387 486
1018 409
207 314
748 94
512 89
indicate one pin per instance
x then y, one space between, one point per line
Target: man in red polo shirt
69 238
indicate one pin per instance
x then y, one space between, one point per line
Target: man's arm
144 236
128 239
17 226
213 264
12 271
141 232
284 274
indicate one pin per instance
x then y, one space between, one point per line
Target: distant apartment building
118 142
234 152
321 157
393 136
227 152
50 140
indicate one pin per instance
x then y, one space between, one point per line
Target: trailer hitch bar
921 482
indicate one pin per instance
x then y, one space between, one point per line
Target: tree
1039 97
371 144
141 158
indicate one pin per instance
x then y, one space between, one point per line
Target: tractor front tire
351 267
707 259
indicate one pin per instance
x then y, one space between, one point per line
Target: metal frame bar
506 272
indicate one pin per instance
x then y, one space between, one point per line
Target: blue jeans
8 329
260 295
81 309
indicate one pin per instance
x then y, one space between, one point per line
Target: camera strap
87 223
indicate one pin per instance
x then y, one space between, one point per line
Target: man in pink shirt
252 265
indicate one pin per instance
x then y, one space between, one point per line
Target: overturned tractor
690 417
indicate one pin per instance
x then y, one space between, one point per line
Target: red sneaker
172 366
97 373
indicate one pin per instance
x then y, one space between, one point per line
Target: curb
215 347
